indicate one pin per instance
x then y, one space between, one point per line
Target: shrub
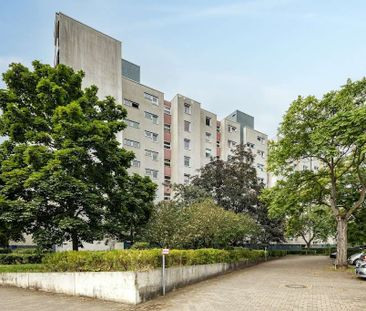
141 245
26 251
10 259
5 250
144 260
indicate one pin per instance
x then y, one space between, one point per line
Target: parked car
350 251
353 259
361 267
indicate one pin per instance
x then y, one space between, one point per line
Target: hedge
13 258
144 260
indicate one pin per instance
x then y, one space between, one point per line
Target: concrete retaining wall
126 287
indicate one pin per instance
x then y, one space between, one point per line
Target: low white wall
127 287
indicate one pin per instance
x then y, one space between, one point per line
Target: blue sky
251 55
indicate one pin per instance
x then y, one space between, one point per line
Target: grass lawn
22 268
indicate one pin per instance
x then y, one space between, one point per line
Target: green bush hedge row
311 251
5 250
144 260
11 258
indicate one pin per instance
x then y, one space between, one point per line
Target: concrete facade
171 140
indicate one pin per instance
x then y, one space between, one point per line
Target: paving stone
293 283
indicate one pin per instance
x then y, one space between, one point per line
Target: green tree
62 164
202 224
314 224
331 131
357 228
233 184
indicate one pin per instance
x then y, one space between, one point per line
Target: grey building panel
245 120
130 70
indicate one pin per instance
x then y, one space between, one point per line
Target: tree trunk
308 244
75 241
341 260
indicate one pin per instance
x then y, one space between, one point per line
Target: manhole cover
295 286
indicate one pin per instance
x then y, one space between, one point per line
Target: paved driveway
292 283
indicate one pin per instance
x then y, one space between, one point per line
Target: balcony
167 189
167 171
167 154
218 152
167 119
218 136
167 136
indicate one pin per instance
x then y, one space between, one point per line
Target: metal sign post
265 253
164 252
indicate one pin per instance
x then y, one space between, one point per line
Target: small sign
165 251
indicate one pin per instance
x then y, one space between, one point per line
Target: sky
252 55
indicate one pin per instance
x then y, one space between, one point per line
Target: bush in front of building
145 260
13 258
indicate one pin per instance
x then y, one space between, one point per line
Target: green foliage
330 131
357 228
10 259
21 268
141 245
5 250
63 174
233 185
202 224
313 224
144 260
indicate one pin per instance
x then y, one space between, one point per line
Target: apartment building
172 139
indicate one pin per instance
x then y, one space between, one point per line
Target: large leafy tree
233 184
331 131
201 224
62 166
357 228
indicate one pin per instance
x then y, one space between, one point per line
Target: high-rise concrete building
172 139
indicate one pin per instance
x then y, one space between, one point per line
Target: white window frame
189 130
132 123
154 155
151 135
187 144
151 116
187 108
137 162
131 103
151 173
131 143
152 98
187 164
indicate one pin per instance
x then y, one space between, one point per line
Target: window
130 103
231 129
208 152
231 143
250 145
167 162
186 178
166 145
218 143
167 128
261 139
152 154
187 161
135 163
151 135
260 167
151 173
131 123
261 153
187 108
166 196
304 167
187 126
260 180
316 168
153 99
152 117
208 121
131 143
208 137
167 110
187 144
